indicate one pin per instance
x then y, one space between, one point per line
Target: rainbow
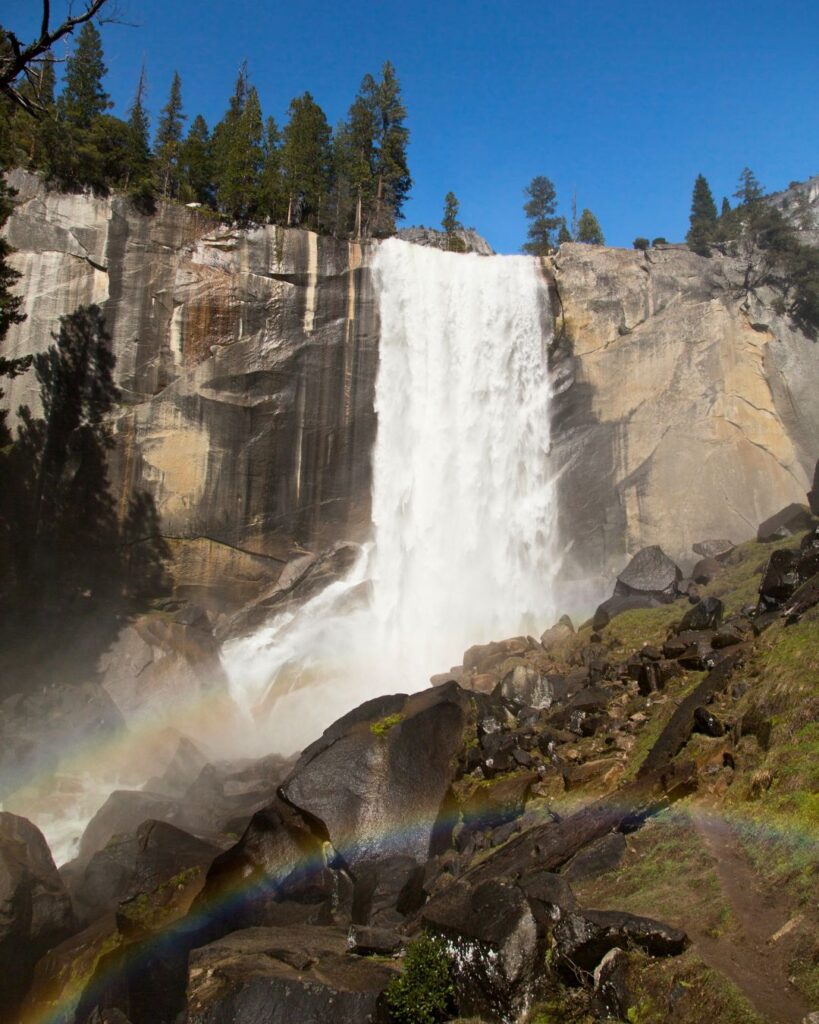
225 902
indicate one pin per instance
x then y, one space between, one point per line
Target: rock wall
684 411
247 362
248 359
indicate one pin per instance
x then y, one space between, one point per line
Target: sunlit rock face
247 363
685 410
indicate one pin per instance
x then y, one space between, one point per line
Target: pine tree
749 191
169 140
540 209
306 161
726 207
355 159
450 222
138 156
196 170
564 235
392 177
239 153
589 230
703 218
271 186
83 97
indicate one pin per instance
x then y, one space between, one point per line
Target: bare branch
14 64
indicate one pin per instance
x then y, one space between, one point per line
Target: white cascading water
463 499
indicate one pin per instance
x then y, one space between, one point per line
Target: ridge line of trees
351 182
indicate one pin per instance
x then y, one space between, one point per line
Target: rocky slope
611 823
248 363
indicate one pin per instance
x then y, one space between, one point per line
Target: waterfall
463 503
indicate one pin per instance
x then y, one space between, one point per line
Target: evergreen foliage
564 235
423 993
703 218
168 141
640 243
137 166
589 230
196 164
392 177
540 209
306 162
83 97
58 521
450 222
238 153
352 184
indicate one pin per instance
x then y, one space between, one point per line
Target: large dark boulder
716 549
121 814
780 579
650 573
583 939
377 778
614 606
792 519
706 614
386 890
284 976
599 857
279 858
35 910
135 865
496 946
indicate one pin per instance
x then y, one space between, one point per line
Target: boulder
706 614
135 865
365 781
619 603
278 858
653 675
181 771
495 944
526 687
284 975
780 579
649 573
121 814
365 941
707 723
794 518
562 630
598 858
610 981
582 939
386 890
713 549
35 909
706 570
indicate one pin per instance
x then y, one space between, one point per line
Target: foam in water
464 546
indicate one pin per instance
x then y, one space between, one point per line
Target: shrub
423 994
640 243
659 241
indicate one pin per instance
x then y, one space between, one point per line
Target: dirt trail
758 968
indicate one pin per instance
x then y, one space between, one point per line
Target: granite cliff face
248 360
686 410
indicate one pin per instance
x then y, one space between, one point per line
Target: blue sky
626 102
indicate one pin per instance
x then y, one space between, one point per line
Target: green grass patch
667 873
684 990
